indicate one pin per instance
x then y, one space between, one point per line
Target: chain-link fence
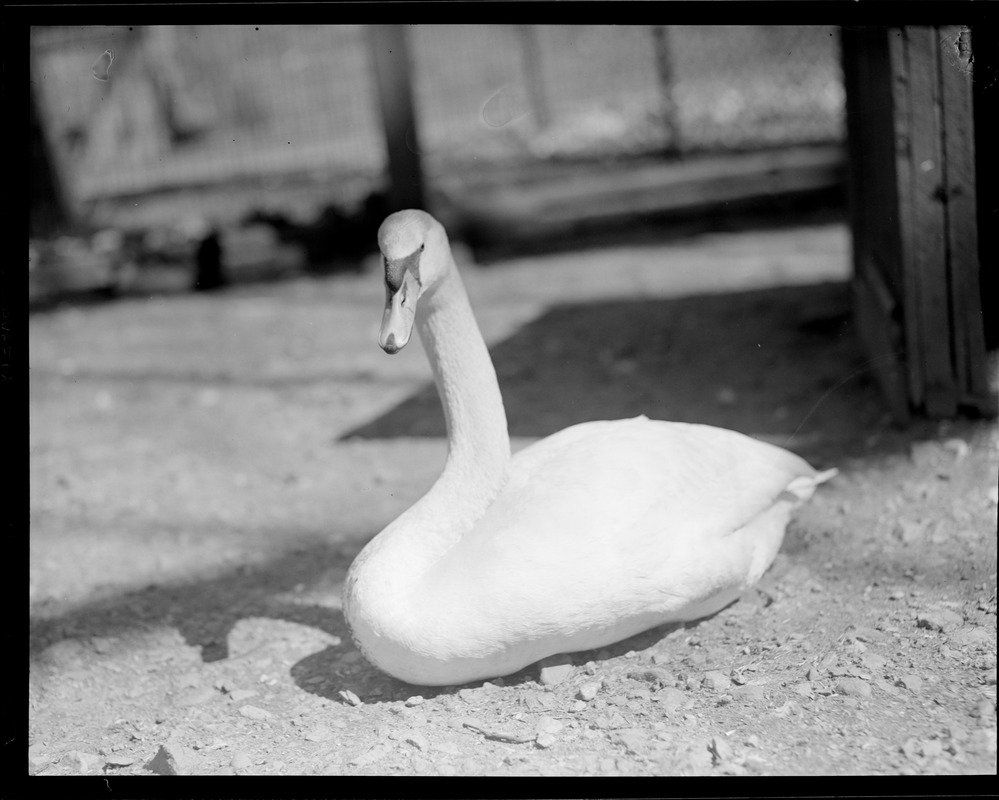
209 105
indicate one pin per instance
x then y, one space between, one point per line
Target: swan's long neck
478 444
477 460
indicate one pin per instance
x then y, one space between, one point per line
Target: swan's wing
610 518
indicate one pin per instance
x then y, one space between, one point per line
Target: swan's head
415 253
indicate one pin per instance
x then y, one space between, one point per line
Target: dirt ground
204 468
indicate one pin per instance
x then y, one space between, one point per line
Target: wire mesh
210 105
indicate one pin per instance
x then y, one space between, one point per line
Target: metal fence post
393 74
533 76
664 69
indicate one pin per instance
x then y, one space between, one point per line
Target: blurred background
274 139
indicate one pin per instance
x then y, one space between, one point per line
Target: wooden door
910 129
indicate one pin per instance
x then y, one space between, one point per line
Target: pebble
80 761
671 699
633 739
853 687
970 636
170 759
240 761
253 712
982 740
544 740
194 697
418 740
549 725
941 619
239 695
415 700
720 749
657 677
555 674
911 682
909 531
716 680
985 709
376 753
750 692
873 661
990 677
588 690
320 733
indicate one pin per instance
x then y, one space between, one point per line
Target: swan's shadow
205 612
783 362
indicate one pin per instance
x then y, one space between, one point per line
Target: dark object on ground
334 241
210 274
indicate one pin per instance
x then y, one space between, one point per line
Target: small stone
853 687
544 740
990 677
240 761
239 695
720 749
909 531
941 619
633 739
376 753
418 740
970 636
716 680
253 712
194 697
982 741
931 748
588 690
911 682
103 644
958 447
656 677
350 697
873 661
752 693
548 724
415 700
985 709
82 762
555 674
320 733
170 759
671 699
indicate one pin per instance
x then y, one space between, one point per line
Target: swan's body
585 538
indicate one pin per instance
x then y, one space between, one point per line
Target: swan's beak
399 314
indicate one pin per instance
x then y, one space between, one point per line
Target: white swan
592 535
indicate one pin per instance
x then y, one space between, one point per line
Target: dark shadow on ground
782 363
205 610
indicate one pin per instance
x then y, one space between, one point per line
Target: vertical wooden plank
877 280
393 70
961 208
926 267
898 54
